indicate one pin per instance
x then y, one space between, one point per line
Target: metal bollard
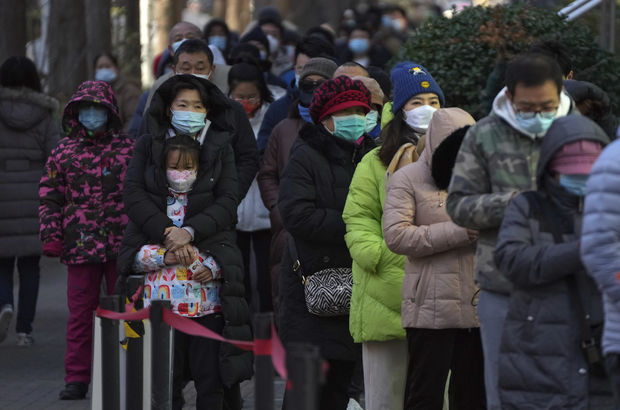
304 367
263 375
162 345
133 369
110 357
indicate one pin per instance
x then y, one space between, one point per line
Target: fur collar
30 96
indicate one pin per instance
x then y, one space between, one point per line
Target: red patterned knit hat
338 94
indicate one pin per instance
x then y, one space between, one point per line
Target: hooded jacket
81 190
541 364
496 161
438 288
599 240
313 191
211 211
28 133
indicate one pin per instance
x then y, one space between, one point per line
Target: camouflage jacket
495 163
81 202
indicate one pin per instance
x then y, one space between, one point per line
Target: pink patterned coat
81 205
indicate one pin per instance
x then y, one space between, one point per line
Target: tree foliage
461 52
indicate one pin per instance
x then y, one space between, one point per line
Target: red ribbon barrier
263 347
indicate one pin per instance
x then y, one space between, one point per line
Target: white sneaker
354 405
24 339
6 314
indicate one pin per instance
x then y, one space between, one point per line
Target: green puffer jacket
377 272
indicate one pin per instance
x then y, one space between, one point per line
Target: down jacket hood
503 107
23 108
581 91
158 115
563 131
444 122
96 92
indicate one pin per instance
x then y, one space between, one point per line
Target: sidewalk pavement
31 377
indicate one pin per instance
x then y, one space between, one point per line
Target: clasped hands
181 251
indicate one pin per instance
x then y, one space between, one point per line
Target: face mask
181 181
349 127
304 112
538 124
218 41
386 21
263 55
359 45
93 118
188 122
274 43
371 120
249 107
105 74
290 51
297 81
575 184
177 44
420 117
203 76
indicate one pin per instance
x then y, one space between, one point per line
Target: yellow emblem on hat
416 71
425 84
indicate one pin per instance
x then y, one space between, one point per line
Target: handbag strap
575 282
292 249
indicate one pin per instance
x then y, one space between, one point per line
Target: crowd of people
436 261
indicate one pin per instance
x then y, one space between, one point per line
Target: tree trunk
164 12
13 23
238 14
219 9
98 31
131 45
66 43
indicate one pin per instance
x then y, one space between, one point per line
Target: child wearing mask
555 312
82 217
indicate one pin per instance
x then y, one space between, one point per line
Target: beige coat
438 290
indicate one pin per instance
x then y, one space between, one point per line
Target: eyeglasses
545 112
308 86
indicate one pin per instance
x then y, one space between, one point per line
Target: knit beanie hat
319 66
576 157
338 94
411 79
376 94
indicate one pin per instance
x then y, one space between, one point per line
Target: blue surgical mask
574 183
538 124
386 21
304 112
93 117
359 45
218 41
297 77
105 74
188 122
349 127
371 120
177 44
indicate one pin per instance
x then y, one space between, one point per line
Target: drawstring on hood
503 107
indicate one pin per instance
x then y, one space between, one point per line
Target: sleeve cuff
190 230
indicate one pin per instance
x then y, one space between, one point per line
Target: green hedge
461 52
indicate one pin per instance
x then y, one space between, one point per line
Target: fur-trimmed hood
23 108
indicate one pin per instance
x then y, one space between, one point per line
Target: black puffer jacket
28 133
541 365
243 141
313 191
211 211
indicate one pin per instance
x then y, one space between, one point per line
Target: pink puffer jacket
438 290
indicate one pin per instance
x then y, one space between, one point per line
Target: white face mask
181 181
419 117
274 44
203 76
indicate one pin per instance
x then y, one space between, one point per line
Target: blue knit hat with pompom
411 79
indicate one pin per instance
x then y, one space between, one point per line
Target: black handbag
328 291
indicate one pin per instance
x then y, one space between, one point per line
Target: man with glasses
497 160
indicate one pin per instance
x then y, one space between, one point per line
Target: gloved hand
52 249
